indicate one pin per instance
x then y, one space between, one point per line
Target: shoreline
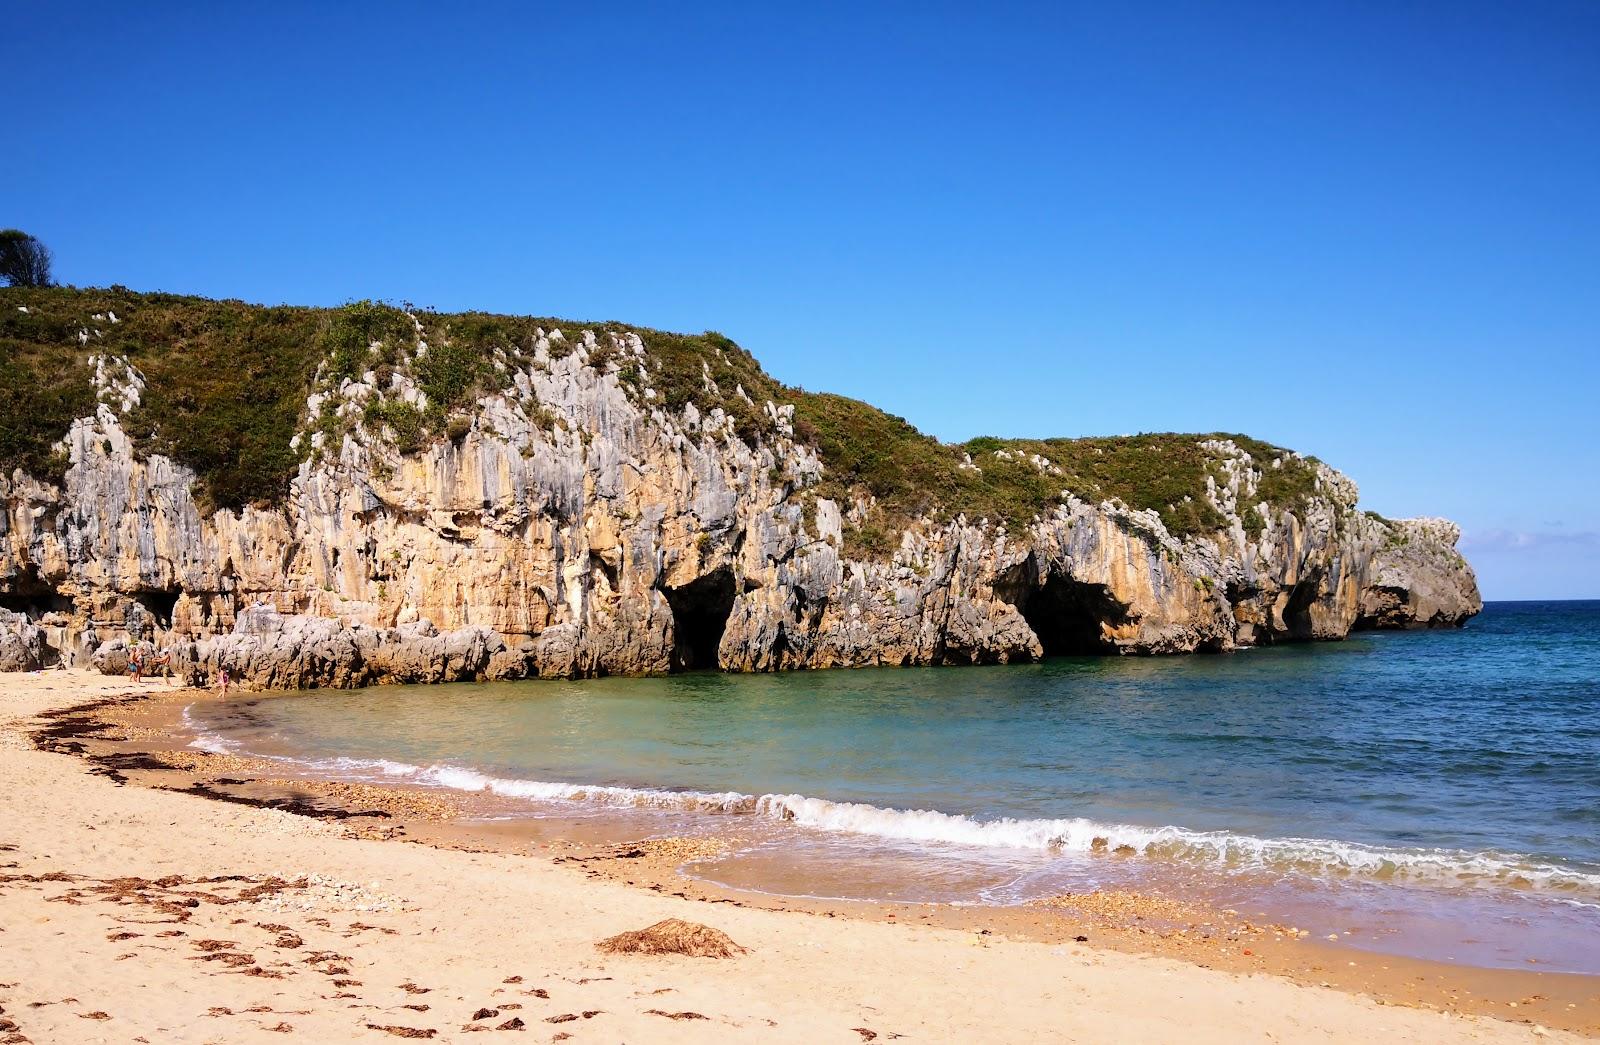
799 840
1103 941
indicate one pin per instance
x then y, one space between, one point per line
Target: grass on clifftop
222 380
227 383
910 474
1164 472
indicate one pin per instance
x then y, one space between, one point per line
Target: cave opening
1381 607
1297 612
160 604
32 596
1066 615
700 611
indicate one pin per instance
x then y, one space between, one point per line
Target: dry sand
130 914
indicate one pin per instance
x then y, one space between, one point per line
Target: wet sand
98 854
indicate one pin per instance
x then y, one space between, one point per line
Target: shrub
44 389
349 333
403 419
602 354
870 541
448 373
1255 524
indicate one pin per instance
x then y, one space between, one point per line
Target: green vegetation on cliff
227 384
910 474
224 380
227 381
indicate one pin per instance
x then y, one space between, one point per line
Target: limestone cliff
569 519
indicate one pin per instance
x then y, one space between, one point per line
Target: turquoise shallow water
1420 778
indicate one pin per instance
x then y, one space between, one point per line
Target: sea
1430 793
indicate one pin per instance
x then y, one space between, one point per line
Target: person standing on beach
222 681
135 663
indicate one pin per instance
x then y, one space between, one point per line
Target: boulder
22 643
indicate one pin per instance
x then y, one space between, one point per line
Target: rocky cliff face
572 525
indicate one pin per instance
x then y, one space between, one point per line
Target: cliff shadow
1065 614
1298 614
700 612
32 596
1383 608
159 604
1298 625
40 602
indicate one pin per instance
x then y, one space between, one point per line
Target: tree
24 261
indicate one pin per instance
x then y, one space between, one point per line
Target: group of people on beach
143 658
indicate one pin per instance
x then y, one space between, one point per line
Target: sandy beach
130 913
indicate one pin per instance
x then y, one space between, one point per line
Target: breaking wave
1217 849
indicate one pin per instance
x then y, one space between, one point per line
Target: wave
215 743
1217 849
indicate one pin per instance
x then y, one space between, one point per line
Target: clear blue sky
1368 231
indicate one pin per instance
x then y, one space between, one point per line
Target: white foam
1221 849
1316 856
460 779
1079 835
205 741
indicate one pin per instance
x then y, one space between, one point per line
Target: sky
1366 231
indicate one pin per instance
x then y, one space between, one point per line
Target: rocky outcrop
22 645
574 527
1417 579
298 651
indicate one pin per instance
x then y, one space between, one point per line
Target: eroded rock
626 540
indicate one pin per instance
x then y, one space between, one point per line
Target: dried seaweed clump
674 936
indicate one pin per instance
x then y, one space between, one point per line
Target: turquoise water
1418 779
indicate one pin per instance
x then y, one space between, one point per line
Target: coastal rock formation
571 523
1418 579
299 651
22 645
